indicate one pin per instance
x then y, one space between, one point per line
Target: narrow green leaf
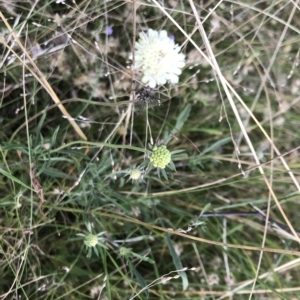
177 262
56 173
8 146
74 153
39 127
139 278
163 171
15 179
41 168
216 145
54 136
180 122
205 209
177 151
182 119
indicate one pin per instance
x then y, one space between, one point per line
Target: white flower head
158 57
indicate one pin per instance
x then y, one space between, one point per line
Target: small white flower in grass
158 57
135 174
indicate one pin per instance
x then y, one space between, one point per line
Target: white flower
158 57
135 174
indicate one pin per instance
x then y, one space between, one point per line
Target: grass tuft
111 189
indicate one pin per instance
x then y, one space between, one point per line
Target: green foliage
120 211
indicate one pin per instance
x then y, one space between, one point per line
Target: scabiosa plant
136 174
91 241
158 57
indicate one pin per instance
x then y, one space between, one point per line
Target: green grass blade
177 262
13 178
139 278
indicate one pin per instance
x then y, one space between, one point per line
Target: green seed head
91 240
125 251
160 157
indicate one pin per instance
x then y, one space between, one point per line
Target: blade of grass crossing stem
139 278
177 262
